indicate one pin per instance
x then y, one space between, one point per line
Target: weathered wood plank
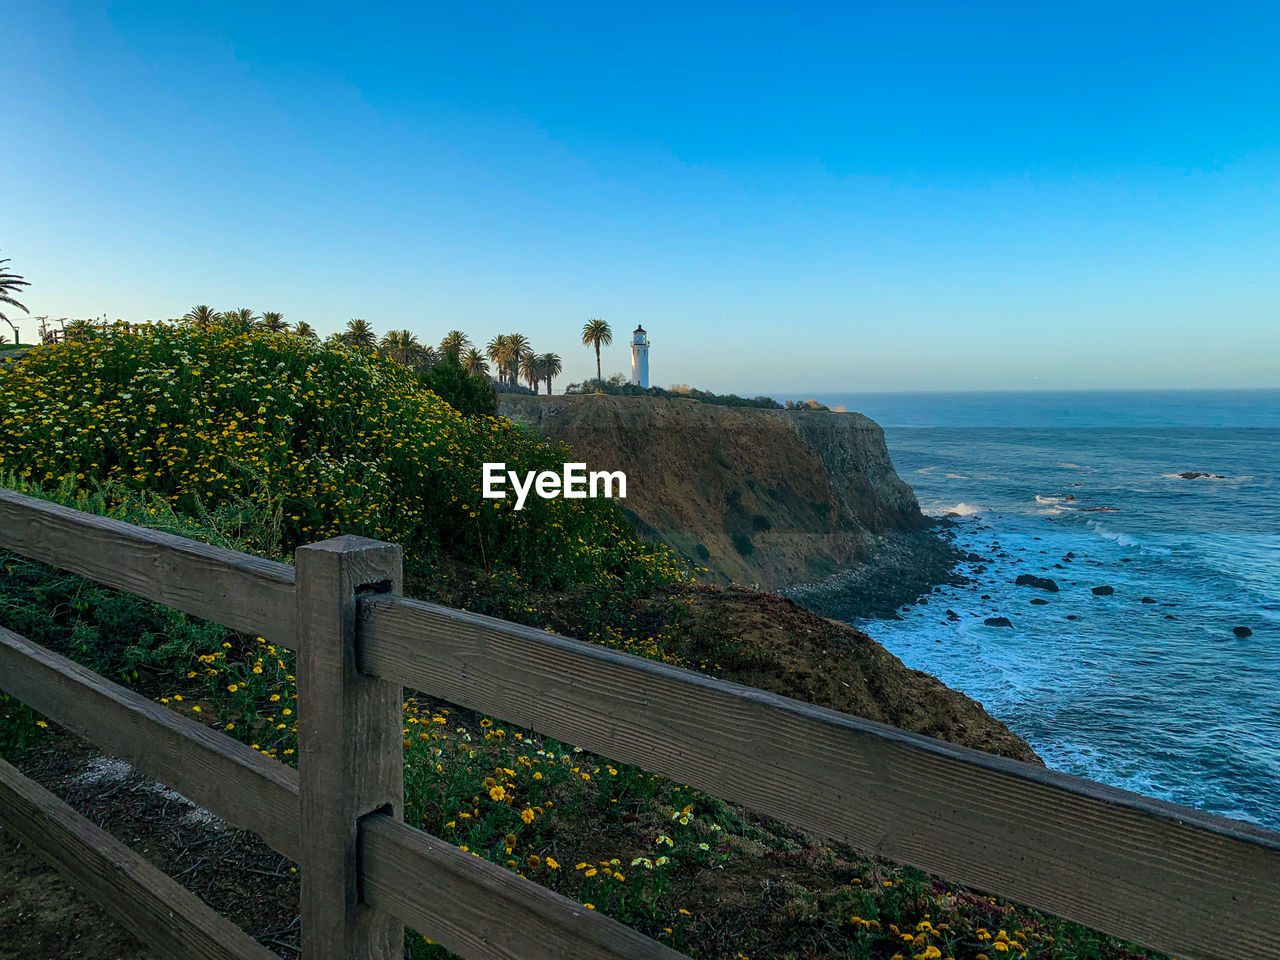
481 911
350 748
154 908
234 589
1152 872
237 783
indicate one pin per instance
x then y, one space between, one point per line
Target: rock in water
1148 600
1190 475
1242 632
1039 601
1103 591
1040 583
998 622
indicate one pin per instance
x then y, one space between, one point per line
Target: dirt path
42 916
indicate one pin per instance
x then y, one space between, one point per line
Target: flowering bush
324 439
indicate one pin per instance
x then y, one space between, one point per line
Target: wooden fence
1166 876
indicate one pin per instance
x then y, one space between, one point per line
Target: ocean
1162 698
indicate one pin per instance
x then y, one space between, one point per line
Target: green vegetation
11 284
597 333
330 439
259 440
465 392
619 385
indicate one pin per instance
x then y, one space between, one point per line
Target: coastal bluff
770 498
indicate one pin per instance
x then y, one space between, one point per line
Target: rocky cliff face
759 497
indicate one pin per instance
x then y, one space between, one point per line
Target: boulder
1040 583
1039 601
1103 591
1147 600
1242 632
998 622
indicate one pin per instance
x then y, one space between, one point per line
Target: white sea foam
963 509
1123 539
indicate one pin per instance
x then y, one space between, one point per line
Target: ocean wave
1126 540
1052 506
957 476
964 510
1123 539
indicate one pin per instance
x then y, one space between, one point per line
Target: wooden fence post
350 752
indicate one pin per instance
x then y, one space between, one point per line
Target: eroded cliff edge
770 498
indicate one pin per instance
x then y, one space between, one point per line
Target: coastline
901 568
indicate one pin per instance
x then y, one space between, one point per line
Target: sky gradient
803 198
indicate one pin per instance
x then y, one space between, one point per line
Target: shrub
449 380
742 543
328 440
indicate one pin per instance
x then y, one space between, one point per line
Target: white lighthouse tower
640 357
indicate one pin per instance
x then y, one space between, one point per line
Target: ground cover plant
278 442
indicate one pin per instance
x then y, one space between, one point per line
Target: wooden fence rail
1167 876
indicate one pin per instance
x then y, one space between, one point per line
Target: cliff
772 498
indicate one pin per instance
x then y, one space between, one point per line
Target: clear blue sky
789 197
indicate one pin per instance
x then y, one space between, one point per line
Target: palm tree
403 347
11 283
274 322
454 342
244 317
359 334
531 369
474 363
596 333
79 331
502 352
305 330
551 367
519 347
202 315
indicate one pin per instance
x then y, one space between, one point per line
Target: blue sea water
1160 698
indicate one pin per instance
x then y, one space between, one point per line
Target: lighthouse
640 357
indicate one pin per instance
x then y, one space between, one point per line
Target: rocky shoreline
901 568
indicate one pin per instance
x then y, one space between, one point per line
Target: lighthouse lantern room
640 357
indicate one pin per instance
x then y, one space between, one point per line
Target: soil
41 915
43 918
